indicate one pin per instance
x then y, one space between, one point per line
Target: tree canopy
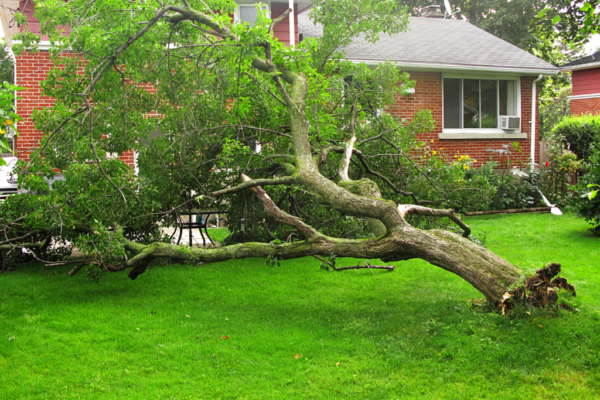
192 94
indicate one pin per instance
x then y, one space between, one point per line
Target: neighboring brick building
467 77
585 77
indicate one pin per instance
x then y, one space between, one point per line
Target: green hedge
589 208
579 134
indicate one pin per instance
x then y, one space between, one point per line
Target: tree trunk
487 272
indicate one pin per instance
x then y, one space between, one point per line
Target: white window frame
484 133
237 14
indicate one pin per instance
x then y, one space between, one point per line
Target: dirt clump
540 290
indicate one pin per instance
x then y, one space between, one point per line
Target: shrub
578 134
561 167
587 203
514 188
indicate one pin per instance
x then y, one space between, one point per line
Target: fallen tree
193 94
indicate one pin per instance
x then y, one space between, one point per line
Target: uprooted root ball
540 290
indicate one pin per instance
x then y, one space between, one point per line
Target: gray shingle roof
441 42
583 62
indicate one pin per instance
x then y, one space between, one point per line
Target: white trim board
584 96
43 45
475 135
457 67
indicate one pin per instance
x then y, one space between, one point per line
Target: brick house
585 77
467 77
472 81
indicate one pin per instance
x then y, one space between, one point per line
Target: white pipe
534 118
292 26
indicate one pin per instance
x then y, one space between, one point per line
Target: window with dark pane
489 103
471 114
452 101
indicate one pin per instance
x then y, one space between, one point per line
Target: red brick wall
585 106
428 95
31 69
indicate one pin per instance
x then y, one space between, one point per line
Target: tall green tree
518 22
191 93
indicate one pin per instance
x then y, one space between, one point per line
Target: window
249 13
478 103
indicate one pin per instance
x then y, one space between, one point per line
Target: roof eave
569 68
460 67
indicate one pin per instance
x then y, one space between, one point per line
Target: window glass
489 104
471 115
508 97
452 101
248 14
477 103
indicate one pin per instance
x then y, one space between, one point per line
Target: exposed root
539 291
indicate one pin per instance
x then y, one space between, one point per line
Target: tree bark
487 272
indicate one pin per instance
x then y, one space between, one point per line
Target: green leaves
592 194
273 260
8 116
543 12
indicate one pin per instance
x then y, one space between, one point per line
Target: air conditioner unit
510 123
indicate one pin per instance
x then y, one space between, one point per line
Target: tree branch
279 19
308 231
345 163
265 88
255 182
408 208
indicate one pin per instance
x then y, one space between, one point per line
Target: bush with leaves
578 134
516 186
560 169
587 202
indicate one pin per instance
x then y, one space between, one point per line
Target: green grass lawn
296 331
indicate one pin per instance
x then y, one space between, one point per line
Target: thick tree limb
345 163
486 271
283 217
255 182
408 208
